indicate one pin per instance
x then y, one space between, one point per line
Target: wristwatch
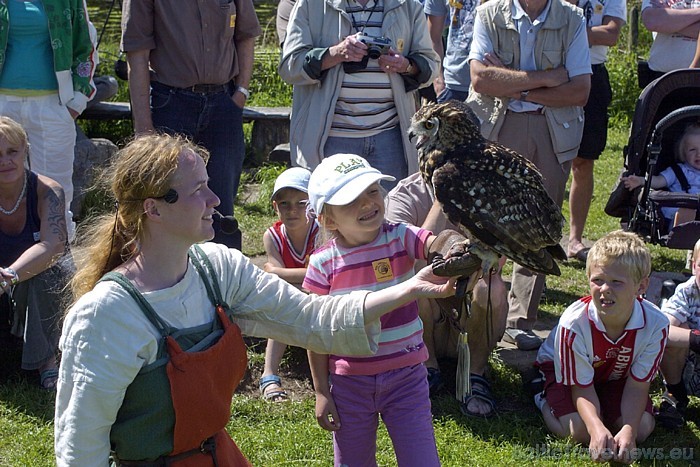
243 91
523 95
410 69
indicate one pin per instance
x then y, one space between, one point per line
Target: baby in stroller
681 177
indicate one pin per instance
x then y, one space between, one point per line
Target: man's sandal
481 390
273 395
48 379
671 412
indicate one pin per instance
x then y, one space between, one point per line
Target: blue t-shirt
29 55
460 18
672 183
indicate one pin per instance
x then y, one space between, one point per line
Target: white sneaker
540 400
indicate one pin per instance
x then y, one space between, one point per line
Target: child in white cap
288 245
365 252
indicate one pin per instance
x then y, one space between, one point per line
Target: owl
492 192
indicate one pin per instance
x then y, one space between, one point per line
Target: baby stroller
662 111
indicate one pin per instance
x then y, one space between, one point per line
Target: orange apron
201 382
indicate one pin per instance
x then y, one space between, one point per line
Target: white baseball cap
296 177
340 179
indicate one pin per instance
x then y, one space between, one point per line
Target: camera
376 46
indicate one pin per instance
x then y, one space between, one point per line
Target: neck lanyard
354 23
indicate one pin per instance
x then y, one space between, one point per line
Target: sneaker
524 340
539 400
671 412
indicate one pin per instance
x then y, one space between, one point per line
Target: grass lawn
287 434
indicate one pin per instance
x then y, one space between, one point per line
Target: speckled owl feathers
494 193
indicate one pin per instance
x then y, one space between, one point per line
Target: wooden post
633 35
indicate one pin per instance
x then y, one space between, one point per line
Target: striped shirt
290 257
365 105
583 354
386 261
684 304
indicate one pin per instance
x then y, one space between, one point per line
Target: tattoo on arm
55 201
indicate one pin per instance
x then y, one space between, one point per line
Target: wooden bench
270 125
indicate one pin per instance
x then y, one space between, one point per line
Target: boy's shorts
558 396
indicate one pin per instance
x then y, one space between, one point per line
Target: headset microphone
228 224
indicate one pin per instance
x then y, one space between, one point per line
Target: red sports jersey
290 257
583 353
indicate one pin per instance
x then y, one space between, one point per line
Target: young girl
367 253
688 157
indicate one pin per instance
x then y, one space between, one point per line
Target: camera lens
374 52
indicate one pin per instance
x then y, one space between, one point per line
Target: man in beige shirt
190 64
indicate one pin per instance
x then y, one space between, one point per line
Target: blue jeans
448 94
384 151
216 123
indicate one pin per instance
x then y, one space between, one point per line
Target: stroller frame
660 108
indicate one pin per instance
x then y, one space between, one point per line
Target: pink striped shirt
386 261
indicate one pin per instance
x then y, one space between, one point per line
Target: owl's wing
498 196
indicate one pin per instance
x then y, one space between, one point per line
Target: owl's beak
411 135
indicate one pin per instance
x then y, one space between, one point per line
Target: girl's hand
425 284
326 412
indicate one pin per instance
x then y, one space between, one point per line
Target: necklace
19 200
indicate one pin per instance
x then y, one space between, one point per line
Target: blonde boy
683 311
600 359
288 245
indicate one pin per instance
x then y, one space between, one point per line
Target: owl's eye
429 125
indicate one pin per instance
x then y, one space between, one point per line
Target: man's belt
199 88
208 88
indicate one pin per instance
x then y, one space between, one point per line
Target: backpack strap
206 271
164 329
681 177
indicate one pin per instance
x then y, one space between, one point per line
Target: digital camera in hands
376 46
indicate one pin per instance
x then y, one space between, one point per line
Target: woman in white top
121 385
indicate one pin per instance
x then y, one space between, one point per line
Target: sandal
273 395
671 412
480 389
435 383
48 379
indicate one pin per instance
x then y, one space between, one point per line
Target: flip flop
581 255
48 379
